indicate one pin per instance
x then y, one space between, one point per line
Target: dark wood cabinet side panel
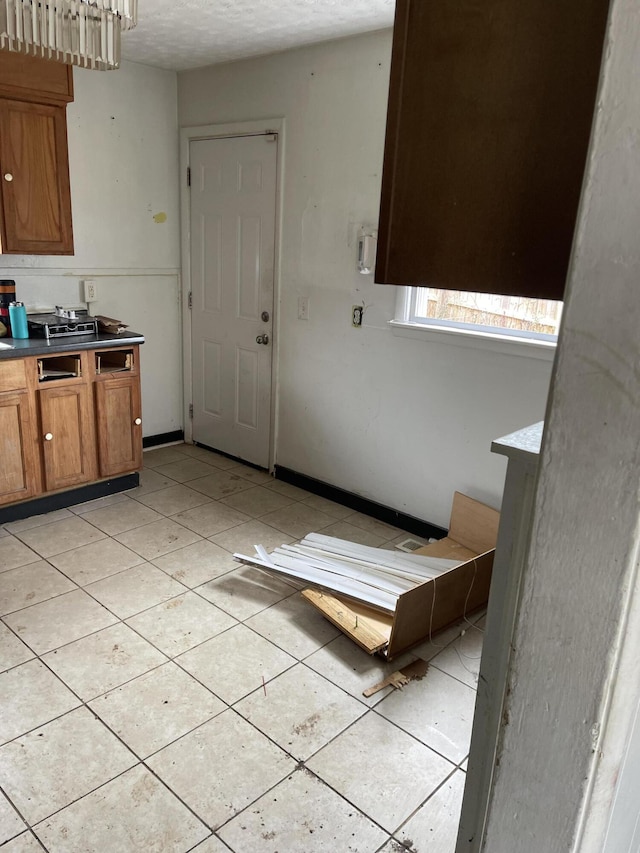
489 120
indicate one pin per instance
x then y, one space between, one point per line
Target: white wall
123 158
401 421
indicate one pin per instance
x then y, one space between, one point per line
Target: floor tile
211 845
154 821
438 710
298 519
95 561
329 507
185 469
244 537
98 503
153 710
154 540
435 826
220 484
11 824
150 481
245 591
47 769
294 626
37 697
373 525
161 456
208 456
439 641
180 624
352 533
246 764
60 536
300 711
121 517
396 756
135 589
173 500
235 663
59 621
15 553
12 650
257 501
319 822
288 490
103 661
196 564
29 585
211 518
37 520
461 658
348 666
256 476
25 843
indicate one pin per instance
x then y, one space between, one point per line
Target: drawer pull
8 177
138 421
48 436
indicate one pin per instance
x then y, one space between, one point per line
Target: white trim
218 131
403 326
89 272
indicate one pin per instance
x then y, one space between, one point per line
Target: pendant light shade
85 33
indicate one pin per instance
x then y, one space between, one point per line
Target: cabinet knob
138 421
48 436
8 176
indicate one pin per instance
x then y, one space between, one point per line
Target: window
483 314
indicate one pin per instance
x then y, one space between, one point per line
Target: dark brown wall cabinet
490 111
35 197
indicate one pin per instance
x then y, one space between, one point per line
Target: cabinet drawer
13 376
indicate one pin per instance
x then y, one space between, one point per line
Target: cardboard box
434 604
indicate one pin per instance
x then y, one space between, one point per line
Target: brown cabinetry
488 125
35 197
68 419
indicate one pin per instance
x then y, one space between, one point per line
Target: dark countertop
20 348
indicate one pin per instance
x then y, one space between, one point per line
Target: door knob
138 421
8 176
48 436
262 339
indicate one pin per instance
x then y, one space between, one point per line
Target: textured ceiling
181 34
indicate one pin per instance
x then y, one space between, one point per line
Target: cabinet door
34 179
68 436
19 466
488 125
119 425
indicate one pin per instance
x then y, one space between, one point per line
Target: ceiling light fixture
77 32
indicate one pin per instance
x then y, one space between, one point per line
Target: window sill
524 347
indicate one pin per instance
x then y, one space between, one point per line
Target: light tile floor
157 696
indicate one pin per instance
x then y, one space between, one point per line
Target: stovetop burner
64 323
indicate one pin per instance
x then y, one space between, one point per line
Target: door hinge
190 411
190 300
188 176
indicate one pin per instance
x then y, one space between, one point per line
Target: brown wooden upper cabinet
489 119
35 197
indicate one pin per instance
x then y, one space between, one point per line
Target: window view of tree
515 313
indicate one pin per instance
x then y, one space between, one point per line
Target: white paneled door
232 208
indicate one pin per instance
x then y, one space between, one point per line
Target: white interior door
232 221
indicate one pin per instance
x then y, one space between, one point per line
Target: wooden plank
369 629
457 592
473 524
447 548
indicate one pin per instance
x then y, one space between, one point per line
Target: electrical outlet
303 307
90 290
356 316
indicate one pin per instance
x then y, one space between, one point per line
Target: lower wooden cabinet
19 468
67 419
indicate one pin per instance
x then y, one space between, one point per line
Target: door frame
221 131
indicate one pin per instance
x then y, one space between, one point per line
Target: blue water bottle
18 320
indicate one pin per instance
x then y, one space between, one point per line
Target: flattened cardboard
434 604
